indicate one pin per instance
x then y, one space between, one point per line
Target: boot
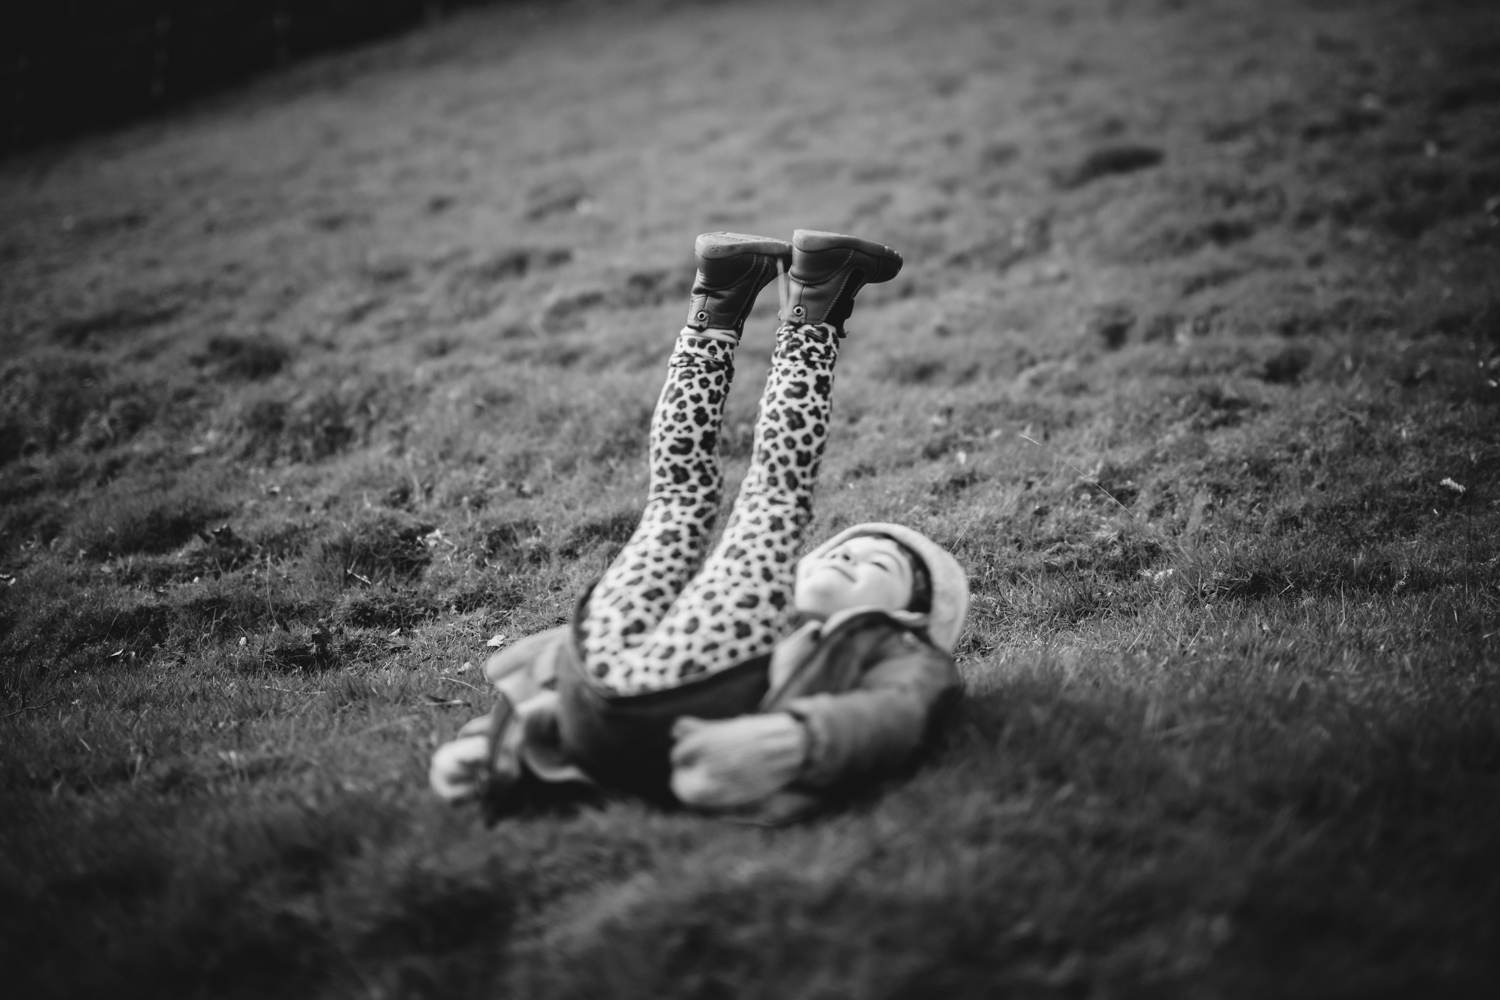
732 269
827 271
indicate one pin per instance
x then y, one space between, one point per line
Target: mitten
459 768
735 762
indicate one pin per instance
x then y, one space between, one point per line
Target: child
752 683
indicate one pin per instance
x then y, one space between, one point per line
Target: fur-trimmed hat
950 585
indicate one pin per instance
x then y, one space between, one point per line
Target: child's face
864 571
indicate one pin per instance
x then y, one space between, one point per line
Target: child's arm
819 740
729 763
459 766
876 727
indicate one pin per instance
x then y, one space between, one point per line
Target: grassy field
312 389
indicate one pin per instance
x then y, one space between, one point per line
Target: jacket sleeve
528 666
876 726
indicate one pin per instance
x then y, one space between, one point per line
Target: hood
950 585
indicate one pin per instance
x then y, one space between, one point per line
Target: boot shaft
828 270
732 269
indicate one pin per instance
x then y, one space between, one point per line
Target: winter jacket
867 685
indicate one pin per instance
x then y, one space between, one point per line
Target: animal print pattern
652 622
682 506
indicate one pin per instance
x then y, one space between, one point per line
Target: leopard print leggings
652 621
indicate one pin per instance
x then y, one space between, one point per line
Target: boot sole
888 261
716 246
814 241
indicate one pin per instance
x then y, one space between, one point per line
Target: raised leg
656 624
740 603
681 507
687 484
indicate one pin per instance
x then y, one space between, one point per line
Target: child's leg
686 488
740 604
682 505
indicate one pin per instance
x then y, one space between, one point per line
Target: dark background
76 65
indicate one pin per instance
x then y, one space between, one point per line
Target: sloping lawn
313 389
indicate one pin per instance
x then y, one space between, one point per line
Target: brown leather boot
732 269
827 271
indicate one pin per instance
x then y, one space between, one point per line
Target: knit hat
950 585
